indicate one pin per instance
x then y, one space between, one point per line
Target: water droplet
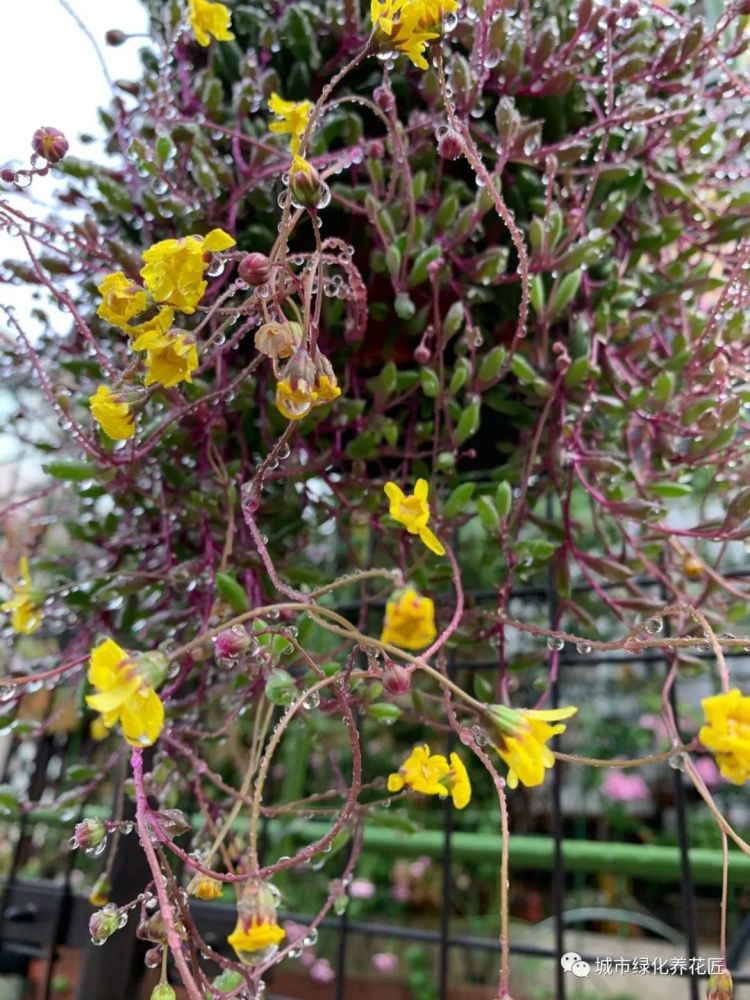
216 266
312 700
479 736
555 643
654 625
583 647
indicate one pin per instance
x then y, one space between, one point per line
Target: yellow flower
210 19
159 323
122 299
431 774
522 740
413 512
173 269
250 939
292 402
294 117
170 357
112 414
257 935
205 888
327 390
304 387
407 26
25 613
727 733
409 620
124 692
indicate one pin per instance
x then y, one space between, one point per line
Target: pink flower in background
361 888
322 971
708 771
655 723
625 787
385 961
418 868
294 932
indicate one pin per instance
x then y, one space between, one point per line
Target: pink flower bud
50 144
232 642
255 268
383 97
89 835
450 145
396 679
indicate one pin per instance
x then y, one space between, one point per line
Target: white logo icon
572 962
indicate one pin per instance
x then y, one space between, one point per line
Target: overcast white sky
50 75
49 72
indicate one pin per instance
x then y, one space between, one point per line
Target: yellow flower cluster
208 18
521 737
24 605
727 733
124 693
406 26
174 270
432 774
174 276
414 513
409 620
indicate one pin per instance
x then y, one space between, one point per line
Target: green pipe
656 862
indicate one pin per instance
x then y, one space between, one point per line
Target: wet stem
173 938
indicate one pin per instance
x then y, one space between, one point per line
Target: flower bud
115 37
203 887
396 679
152 928
90 835
720 986
152 667
232 643
278 340
173 822
99 895
255 268
383 97
306 187
163 992
692 567
450 145
154 957
104 923
49 143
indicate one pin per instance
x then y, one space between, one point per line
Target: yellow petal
421 489
431 542
218 240
394 493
